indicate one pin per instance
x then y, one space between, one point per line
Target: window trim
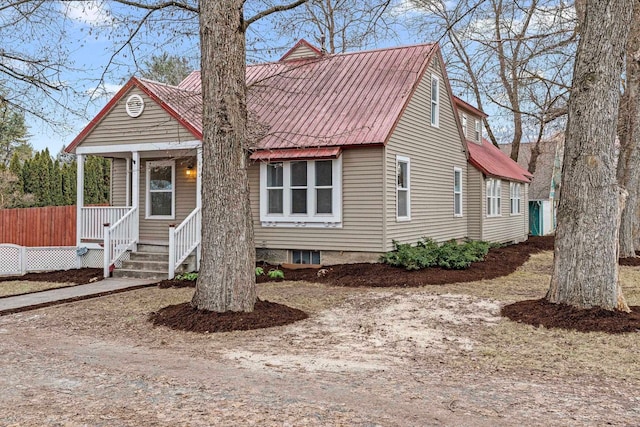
477 130
515 195
493 197
407 160
311 218
464 124
457 170
435 104
150 164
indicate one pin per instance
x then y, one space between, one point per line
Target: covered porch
155 200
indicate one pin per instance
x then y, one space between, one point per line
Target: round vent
135 105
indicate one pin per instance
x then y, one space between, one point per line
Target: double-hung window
161 179
301 193
464 124
514 191
477 131
435 101
457 192
493 197
403 188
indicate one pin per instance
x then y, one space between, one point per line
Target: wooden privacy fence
47 226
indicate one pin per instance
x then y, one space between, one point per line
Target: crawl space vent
135 106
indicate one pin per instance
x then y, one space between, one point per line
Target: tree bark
629 135
585 270
226 281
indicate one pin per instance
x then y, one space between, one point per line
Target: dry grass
501 345
23 287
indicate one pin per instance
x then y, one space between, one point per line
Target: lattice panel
94 258
10 262
51 258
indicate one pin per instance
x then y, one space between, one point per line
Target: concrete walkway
73 293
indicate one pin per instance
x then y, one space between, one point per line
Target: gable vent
135 106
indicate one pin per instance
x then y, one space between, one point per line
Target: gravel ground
364 357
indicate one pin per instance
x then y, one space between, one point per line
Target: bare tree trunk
585 269
629 135
227 273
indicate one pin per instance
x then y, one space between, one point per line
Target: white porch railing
183 239
119 238
93 218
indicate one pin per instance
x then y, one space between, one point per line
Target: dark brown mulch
499 262
176 283
561 316
630 262
265 314
78 276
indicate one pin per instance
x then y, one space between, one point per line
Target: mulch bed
265 314
78 276
543 313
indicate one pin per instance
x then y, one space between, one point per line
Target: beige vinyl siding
475 184
156 230
506 227
153 126
434 152
118 182
471 123
361 210
301 51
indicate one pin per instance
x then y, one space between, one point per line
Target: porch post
128 184
135 191
199 205
79 197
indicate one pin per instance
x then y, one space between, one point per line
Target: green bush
259 271
187 276
274 273
426 253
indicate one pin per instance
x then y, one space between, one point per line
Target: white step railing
184 239
119 238
93 218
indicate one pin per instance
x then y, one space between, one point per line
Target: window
493 197
305 257
161 177
301 193
514 191
275 188
464 124
478 133
403 188
435 101
457 192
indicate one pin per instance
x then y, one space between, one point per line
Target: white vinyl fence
18 260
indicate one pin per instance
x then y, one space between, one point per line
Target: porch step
152 265
150 248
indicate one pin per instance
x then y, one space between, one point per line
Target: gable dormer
470 119
302 50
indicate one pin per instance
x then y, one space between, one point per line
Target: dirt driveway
437 355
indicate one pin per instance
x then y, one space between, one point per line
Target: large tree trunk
629 135
226 281
585 270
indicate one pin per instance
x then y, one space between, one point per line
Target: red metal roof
491 161
466 106
296 154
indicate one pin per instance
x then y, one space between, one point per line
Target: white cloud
104 90
91 12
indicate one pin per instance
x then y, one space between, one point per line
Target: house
545 184
354 151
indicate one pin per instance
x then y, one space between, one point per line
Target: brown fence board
47 226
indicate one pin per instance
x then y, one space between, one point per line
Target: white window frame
267 188
435 102
477 130
457 171
149 165
464 125
493 197
311 218
515 197
407 160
